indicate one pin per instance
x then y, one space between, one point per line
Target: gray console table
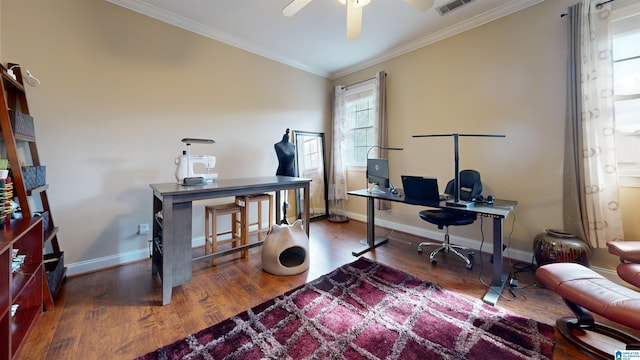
172 214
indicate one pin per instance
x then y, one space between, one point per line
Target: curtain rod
598 6
359 82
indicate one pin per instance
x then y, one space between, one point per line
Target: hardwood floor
116 313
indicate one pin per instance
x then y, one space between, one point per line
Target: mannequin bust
286 153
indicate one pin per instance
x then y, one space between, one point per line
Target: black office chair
470 188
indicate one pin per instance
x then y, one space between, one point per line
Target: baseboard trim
611 275
105 262
487 246
88 266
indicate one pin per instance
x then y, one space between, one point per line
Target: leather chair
585 291
470 188
629 254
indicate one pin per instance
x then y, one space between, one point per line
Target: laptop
420 190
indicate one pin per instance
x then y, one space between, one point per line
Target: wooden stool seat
244 202
212 233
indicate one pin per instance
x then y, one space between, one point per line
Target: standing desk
498 212
172 214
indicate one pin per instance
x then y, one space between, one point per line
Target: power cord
518 267
382 223
513 283
31 80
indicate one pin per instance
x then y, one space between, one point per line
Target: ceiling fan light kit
356 3
294 6
354 19
354 12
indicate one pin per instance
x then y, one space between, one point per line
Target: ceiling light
354 19
294 7
361 3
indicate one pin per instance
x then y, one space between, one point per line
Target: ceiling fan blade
294 6
421 5
354 20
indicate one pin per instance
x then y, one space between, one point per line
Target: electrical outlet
143 229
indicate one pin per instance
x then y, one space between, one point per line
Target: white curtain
337 172
601 209
337 176
601 178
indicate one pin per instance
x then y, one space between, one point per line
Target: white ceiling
314 39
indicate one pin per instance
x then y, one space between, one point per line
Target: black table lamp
456 196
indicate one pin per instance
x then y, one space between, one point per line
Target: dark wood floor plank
116 313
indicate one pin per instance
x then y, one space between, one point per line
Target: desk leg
277 213
177 244
499 278
371 242
307 208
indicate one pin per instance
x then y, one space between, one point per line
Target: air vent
452 5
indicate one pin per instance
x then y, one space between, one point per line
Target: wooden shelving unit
33 201
23 287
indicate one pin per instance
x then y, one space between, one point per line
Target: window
360 124
626 70
312 155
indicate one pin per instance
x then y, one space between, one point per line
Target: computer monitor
378 172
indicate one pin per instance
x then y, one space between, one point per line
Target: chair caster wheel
434 261
419 249
470 255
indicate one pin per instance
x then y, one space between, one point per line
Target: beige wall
630 212
119 91
505 77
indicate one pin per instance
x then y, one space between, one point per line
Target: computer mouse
394 191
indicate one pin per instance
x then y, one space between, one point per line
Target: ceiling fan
354 12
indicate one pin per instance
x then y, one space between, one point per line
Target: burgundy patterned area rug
366 310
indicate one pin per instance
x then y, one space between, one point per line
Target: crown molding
484 18
198 28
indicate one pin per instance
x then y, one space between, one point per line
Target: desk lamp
391 187
456 196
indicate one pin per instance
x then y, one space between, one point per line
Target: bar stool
244 202
211 233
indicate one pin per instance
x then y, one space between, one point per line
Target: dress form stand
285 206
286 152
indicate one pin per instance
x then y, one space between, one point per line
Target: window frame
626 177
354 93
